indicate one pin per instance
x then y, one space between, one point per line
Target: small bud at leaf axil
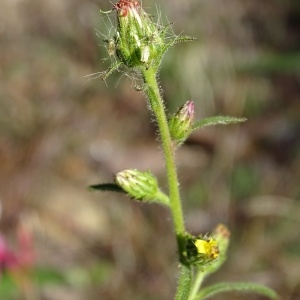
181 123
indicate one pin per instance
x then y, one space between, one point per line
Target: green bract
139 41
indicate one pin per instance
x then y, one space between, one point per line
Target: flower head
207 247
201 251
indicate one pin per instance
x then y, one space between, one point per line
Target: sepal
106 187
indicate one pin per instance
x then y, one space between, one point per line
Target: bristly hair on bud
181 123
139 43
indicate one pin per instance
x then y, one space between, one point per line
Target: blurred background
60 132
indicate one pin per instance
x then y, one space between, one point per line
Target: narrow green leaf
217 120
111 187
235 286
271 63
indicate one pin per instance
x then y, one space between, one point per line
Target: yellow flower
209 247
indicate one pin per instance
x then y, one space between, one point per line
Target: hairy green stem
184 283
196 285
157 106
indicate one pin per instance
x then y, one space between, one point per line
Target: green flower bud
139 41
141 186
181 123
222 235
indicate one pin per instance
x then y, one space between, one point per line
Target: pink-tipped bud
181 123
139 41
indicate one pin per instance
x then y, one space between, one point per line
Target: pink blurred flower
7 258
22 258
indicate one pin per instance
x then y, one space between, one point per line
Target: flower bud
181 123
222 235
138 185
139 41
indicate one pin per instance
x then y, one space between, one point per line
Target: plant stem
184 283
157 106
158 109
196 285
